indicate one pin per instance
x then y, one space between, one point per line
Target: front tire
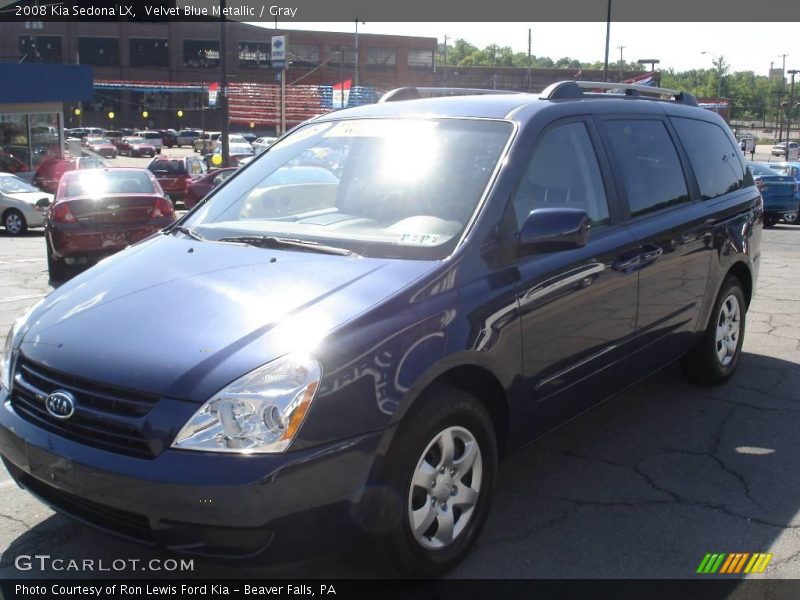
440 473
14 222
714 359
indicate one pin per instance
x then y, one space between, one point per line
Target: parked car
175 174
790 169
51 170
21 205
196 190
10 162
152 138
101 145
236 150
206 142
97 213
262 143
780 149
360 353
169 137
780 193
136 146
186 137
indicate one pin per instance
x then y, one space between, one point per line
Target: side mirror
555 229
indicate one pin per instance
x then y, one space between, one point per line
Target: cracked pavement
641 487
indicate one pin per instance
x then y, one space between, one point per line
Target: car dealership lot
643 486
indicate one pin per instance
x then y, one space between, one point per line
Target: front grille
119 521
105 417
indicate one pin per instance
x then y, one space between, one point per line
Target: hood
29 197
181 318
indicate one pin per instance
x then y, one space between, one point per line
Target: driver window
563 172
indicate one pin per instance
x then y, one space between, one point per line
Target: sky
745 46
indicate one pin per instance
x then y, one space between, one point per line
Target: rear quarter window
648 165
715 160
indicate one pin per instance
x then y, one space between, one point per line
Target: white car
263 143
21 204
152 138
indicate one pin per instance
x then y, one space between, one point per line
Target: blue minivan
362 351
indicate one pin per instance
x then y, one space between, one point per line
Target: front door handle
651 254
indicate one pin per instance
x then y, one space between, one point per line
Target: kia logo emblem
60 404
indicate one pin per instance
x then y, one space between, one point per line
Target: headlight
260 412
5 359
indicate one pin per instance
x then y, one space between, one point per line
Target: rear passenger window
714 158
649 165
563 173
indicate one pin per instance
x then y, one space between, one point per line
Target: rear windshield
151 136
167 166
100 183
763 170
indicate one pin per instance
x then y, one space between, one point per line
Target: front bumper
194 502
34 216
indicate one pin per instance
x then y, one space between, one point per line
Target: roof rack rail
412 93
575 89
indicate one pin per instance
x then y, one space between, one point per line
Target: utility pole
341 75
779 117
529 59
792 72
445 61
608 39
355 79
223 97
621 48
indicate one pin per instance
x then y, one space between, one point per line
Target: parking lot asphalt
641 487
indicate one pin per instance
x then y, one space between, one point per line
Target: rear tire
14 222
55 266
436 487
714 359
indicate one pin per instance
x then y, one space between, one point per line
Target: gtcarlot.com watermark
45 562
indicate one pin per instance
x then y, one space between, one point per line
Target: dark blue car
791 169
362 351
779 191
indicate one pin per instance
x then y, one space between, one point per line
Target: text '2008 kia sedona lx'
361 348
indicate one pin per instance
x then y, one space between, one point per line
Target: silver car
263 143
21 204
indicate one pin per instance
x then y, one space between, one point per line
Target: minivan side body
535 334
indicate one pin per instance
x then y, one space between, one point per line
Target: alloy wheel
729 326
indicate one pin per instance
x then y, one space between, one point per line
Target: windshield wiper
266 241
192 234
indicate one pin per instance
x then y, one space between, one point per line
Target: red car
51 169
100 212
136 146
100 145
175 174
198 188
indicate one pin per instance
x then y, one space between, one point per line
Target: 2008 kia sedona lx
363 347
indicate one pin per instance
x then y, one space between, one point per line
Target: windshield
14 185
393 187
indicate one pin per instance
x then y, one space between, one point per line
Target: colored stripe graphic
734 563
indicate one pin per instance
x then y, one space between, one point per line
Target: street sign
278 52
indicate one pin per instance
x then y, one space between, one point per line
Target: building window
149 52
105 101
422 59
254 55
151 100
341 55
381 57
100 52
303 54
40 49
201 54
